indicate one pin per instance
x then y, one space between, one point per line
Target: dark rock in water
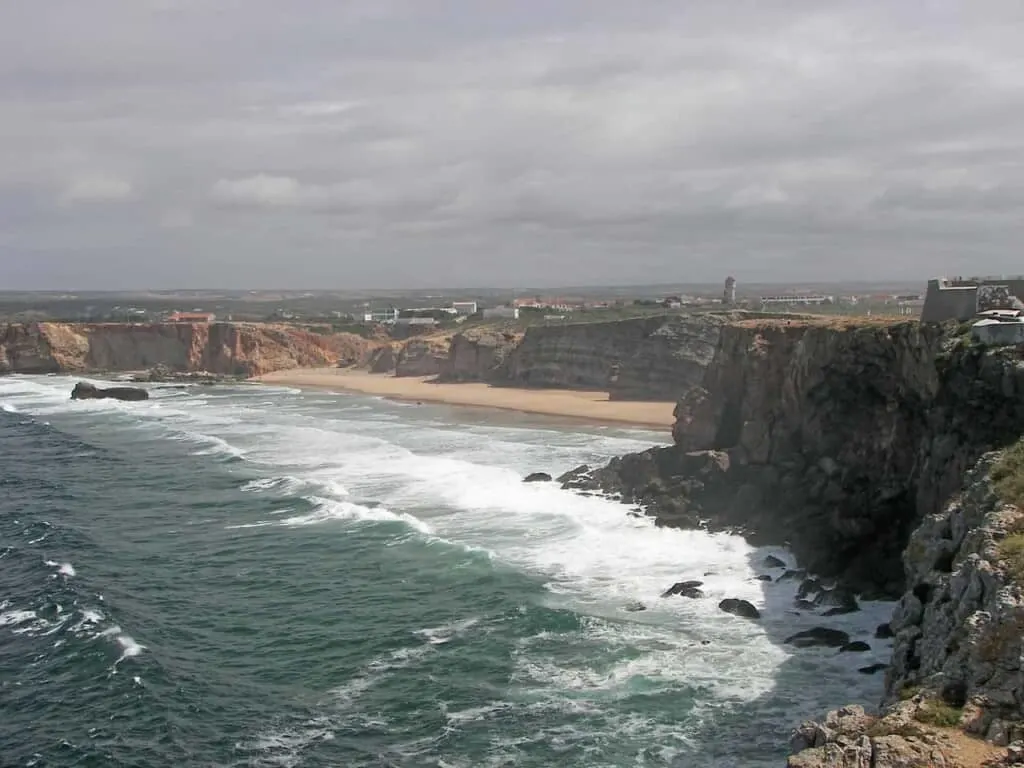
763 577
793 575
773 562
685 589
634 606
872 669
537 477
805 605
819 636
884 632
86 391
808 587
740 608
857 646
842 600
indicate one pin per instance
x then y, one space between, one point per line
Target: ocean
257 576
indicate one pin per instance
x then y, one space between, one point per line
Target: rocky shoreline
851 447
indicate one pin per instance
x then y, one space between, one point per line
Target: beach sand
567 403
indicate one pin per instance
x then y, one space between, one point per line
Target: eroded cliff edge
835 440
233 349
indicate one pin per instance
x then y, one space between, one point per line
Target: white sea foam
129 649
66 570
326 510
463 484
8 408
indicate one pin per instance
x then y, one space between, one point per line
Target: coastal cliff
650 358
871 451
956 666
835 440
233 349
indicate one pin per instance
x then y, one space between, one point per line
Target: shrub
938 714
1008 475
907 692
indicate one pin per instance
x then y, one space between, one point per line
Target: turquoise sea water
256 576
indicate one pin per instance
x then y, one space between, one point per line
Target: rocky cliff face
834 440
958 647
652 358
422 356
223 348
479 354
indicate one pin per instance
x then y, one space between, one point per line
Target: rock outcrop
650 358
479 354
234 349
835 440
85 391
422 356
959 627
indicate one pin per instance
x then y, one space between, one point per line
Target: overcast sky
423 143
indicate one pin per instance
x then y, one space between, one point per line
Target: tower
729 295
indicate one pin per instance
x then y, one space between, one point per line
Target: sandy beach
550 402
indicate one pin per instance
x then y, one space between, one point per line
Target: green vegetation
907 692
1008 475
939 714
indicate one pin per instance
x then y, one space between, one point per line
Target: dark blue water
261 577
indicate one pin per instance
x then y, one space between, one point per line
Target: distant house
464 307
387 316
191 317
417 321
501 313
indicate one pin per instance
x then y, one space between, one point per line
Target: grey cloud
427 141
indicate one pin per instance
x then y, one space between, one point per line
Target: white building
464 307
389 315
501 313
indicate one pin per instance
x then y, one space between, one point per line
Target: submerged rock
741 608
634 606
773 562
857 646
537 477
85 391
871 669
818 636
884 631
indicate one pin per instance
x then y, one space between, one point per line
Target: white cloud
96 189
259 190
519 143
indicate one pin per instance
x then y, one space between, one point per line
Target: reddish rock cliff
225 348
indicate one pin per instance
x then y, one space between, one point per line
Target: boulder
537 477
818 636
871 669
763 577
685 589
857 646
741 608
884 632
773 562
85 391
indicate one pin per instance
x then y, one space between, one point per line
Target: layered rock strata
651 358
